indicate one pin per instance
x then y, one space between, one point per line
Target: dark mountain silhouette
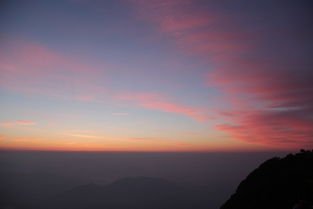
134 193
277 183
285 183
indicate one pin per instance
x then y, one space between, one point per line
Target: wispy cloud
82 135
27 140
17 123
33 68
161 103
120 113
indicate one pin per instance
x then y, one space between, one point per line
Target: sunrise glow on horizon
156 75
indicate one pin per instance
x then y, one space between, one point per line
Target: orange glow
110 144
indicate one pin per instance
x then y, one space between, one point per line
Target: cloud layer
261 64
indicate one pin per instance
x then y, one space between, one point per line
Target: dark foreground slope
285 183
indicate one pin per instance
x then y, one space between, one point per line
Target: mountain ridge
277 183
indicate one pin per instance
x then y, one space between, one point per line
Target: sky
156 75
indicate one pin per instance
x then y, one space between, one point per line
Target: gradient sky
156 75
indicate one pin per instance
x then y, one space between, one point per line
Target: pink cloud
271 95
26 140
284 102
160 103
272 128
83 135
17 123
120 113
195 30
272 102
151 139
168 107
25 122
33 68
